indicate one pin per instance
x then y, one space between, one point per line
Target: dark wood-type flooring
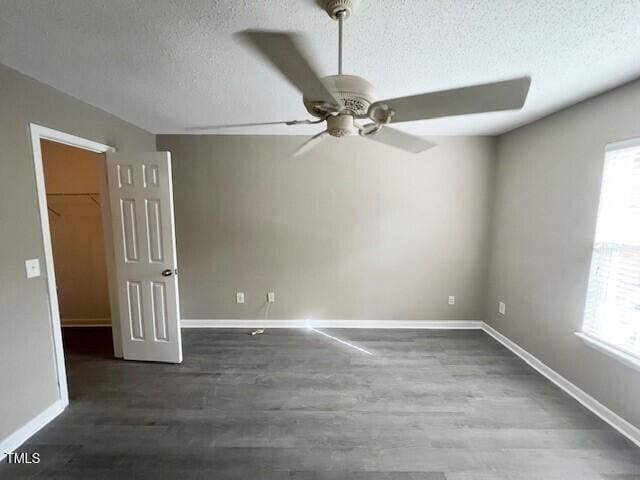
292 404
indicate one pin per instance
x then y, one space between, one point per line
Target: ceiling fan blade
286 52
310 143
404 141
257 124
488 97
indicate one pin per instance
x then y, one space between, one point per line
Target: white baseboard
85 322
617 422
299 323
17 438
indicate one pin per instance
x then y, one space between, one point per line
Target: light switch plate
239 297
502 308
32 266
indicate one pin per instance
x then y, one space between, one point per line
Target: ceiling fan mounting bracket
344 8
381 113
369 129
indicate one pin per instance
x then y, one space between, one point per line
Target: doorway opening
74 204
136 202
70 172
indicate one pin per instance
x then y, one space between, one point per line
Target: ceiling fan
345 101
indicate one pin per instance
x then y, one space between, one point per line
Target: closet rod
71 194
90 195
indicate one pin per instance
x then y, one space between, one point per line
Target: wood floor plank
292 404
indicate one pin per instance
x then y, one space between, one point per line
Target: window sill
626 358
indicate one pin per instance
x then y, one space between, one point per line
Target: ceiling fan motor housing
354 93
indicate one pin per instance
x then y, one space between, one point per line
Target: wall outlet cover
239 297
271 297
452 300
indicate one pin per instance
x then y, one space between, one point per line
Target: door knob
167 272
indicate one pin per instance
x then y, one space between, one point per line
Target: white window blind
612 311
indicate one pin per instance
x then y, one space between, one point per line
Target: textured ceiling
166 64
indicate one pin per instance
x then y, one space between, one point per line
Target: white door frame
43 133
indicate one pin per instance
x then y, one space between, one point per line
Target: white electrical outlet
239 297
502 308
452 300
32 267
271 297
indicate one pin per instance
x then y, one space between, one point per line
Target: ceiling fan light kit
345 101
340 125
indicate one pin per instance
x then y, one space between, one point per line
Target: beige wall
351 230
77 237
547 190
27 368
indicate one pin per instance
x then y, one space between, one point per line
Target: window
612 311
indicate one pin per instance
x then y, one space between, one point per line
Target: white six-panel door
145 249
